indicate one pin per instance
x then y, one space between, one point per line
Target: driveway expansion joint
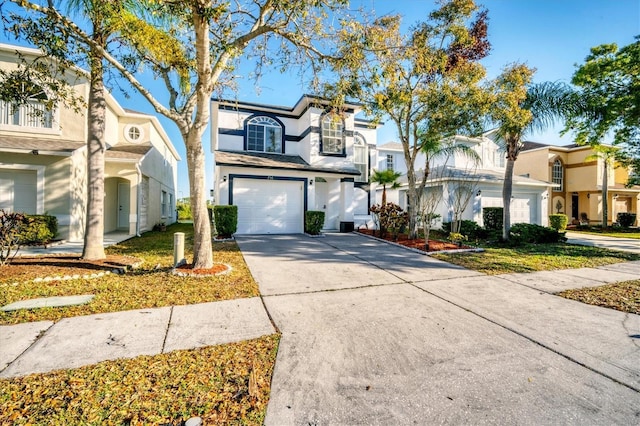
534 341
331 290
38 337
166 332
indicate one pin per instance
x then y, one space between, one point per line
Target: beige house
43 161
578 179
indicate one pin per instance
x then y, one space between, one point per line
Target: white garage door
523 208
18 191
269 206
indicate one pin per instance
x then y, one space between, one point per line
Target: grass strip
226 384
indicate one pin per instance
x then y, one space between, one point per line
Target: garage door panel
522 207
268 206
18 190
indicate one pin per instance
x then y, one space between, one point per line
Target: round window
133 133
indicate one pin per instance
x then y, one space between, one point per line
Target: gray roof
481 175
395 146
39 144
128 151
265 160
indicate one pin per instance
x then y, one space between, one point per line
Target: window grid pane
557 175
264 134
332 135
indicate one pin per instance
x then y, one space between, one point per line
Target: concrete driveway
613 243
375 334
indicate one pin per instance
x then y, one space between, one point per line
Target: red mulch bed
24 268
418 243
187 268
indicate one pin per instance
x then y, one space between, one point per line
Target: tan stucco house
43 161
578 179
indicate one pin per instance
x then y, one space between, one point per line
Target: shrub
492 218
10 239
35 231
468 228
626 219
535 234
226 220
313 222
184 211
390 217
558 221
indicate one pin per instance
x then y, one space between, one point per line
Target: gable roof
480 175
263 160
390 146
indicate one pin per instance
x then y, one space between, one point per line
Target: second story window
389 161
360 159
264 134
557 175
34 111
332 135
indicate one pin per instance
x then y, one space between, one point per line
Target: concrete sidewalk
406 339
73 342
604 241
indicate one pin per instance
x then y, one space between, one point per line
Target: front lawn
536 257
623 296
152 285
226 384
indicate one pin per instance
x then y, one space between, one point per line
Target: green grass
616 233
153 285
538 257
226 384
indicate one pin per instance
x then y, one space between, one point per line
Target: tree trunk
605 194
507 189
94 224
202 247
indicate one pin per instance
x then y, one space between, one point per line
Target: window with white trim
332 134
164 201
264 134
557 175
360 158
34 112
389 161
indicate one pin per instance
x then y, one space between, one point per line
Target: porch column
346 204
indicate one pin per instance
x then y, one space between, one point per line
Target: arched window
332 135
264 134
31 107
557 175
361 158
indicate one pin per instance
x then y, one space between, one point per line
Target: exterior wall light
224 178
479 193
311 182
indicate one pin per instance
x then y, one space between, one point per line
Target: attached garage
269 206
523 206
18 191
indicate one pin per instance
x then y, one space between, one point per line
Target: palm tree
606 154
384 178
519 108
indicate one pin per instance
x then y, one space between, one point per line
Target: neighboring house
451 176
43 167
578 179
275 163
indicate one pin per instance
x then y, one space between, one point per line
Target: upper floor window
389 161
34 110
500 157
332 134
264 134
360 158
557 175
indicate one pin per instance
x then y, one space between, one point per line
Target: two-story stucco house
277 162
450 175
43 164
578 178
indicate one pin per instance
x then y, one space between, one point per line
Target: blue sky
549 35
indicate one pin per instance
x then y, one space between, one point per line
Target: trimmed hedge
226 220
626 219
558 221
39 229
535 234
468 228
493 218
313 222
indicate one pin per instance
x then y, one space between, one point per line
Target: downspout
138 195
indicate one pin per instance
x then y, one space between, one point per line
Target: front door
574 206
322 200
123 206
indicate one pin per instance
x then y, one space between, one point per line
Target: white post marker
178 249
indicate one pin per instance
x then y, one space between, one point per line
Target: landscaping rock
193 421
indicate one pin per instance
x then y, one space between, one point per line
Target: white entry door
123 205
269 206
